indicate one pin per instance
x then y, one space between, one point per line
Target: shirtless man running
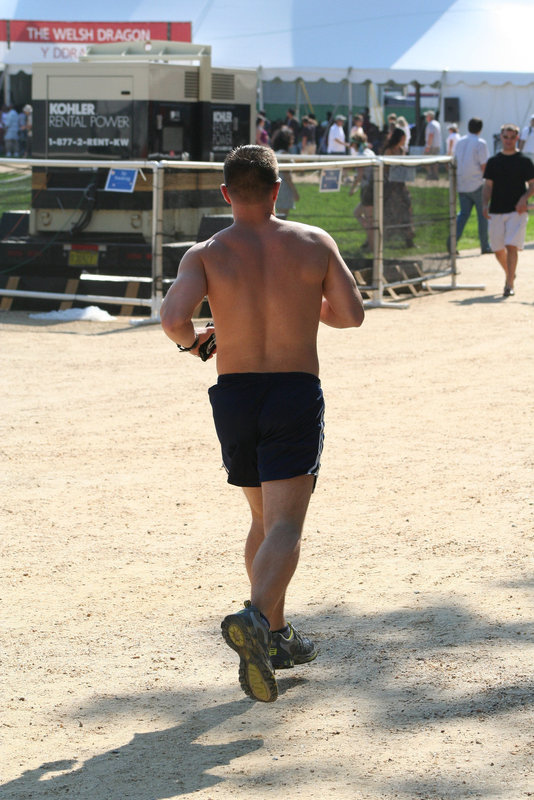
269 283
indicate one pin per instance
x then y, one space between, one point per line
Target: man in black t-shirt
505 197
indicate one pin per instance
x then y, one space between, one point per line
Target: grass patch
430 206
15 191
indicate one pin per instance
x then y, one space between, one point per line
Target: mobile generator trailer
160 100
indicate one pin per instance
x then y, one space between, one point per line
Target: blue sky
485 35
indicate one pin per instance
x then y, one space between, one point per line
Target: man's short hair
509 126
250 172
474 125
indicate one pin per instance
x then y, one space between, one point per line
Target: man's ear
224 192
276 188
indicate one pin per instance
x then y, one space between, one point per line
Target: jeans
467 201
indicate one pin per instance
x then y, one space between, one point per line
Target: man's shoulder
303 229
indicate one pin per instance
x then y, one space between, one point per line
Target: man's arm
342 305
521 206
487 189
187 291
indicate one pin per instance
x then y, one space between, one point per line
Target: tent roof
402 77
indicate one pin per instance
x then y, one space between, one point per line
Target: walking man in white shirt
471 155
337 142
432 143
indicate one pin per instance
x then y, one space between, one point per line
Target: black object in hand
207 348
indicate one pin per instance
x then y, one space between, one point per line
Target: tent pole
418 131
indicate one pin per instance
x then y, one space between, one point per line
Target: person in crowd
308 143
269 282
357 127
397 199
267 124
453 138
10 122
324 130
391 123
288 194
402 122
363 177
526 140
432 143
471 155
317 129
508 184
292 122
262 137
337 142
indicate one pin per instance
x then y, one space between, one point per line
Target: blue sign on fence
121 180
330 180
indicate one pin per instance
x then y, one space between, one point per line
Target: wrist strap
183 349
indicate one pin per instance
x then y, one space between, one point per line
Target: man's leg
482 221
288 646
507 258
285 504
255 538
466 204
500 255
512 255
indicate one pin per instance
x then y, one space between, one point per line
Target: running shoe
247 632
293 650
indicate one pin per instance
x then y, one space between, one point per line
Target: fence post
378 231
158 185
452 221
378 243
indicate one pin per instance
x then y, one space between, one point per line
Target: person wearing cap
526 140
337 142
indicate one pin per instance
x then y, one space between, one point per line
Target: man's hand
205 349
521 205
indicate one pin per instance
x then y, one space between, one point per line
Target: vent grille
222 86
191 85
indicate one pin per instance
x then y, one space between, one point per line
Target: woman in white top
402 122
452 139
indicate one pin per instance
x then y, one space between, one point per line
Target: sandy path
122 549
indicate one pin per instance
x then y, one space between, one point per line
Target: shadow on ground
373 658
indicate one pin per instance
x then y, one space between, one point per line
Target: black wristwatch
183 349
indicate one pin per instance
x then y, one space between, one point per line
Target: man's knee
287 530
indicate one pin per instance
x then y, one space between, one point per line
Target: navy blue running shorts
270 425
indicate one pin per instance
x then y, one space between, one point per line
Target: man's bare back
269 282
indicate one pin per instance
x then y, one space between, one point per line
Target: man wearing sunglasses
508 184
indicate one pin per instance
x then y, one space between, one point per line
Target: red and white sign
25 42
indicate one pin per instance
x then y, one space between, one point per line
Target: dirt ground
122 551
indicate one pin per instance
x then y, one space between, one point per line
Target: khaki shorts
507 229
